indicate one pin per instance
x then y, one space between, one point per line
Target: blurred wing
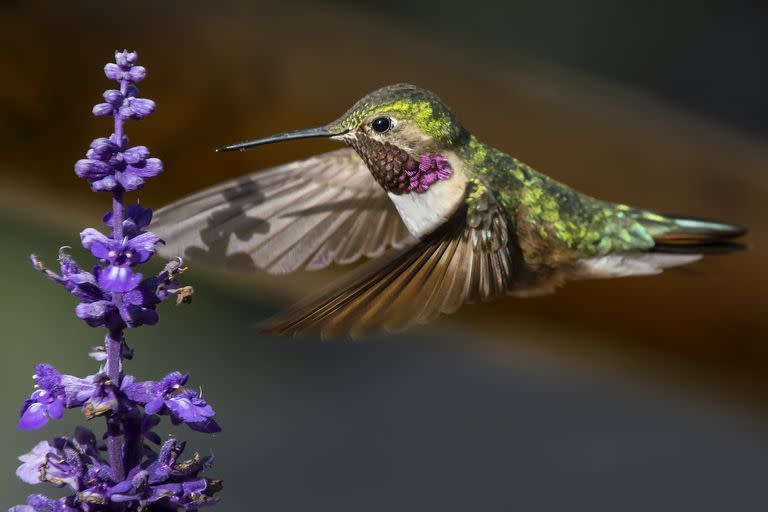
454 265
306 214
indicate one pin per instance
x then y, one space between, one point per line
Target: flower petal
154 406
33 417
94 313
135 154
106 184
113 71
148 168
102 109
29 472
119 278
56 408
209 426
96 242
143 246
130 180
92 169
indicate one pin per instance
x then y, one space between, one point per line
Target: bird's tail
687 235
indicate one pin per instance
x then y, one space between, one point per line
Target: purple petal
143 246
130 180
136 154
121 488
194 486
140 392
125 58
102 109
171 380
137 315
92 169
141 216
22 508
149 168
33 418
131 91
47 376
103 146
136 73
94 313
56 408
209 426
113 71
96 242
183 408
119 278
154 406
29 471
76 391
137 108
106 184
113 96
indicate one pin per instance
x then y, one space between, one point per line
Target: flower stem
113 343
114 347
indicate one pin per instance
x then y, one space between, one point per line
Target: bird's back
560 233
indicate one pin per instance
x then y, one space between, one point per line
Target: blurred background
624 394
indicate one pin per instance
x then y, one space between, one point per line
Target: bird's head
401 132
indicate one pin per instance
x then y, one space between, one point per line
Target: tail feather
687 235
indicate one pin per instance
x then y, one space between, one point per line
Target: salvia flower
166 479
121 255
169 396
110 166
54 392
126 473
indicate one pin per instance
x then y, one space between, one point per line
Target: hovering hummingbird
446 219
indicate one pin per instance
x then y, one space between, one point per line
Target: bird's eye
381 124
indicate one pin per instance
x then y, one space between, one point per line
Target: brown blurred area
221 76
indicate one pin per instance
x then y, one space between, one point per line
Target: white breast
423 213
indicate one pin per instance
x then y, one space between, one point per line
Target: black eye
381 124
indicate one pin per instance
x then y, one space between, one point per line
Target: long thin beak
279 137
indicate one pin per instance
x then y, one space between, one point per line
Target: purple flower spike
114 295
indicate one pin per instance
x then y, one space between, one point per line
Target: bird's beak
309 133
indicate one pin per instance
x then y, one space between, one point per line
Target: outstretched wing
455 264
306 214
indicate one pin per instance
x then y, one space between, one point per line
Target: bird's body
460 221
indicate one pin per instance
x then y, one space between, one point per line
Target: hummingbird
443 218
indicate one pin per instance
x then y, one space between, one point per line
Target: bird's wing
453 265
306 214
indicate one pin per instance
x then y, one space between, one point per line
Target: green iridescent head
401 104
